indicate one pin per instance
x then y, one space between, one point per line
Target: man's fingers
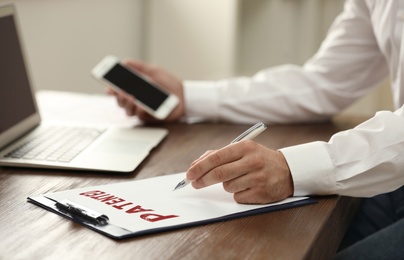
143 68
232 174
250 196
211 160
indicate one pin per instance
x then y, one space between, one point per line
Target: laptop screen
16 102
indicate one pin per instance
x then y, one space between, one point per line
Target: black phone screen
136 86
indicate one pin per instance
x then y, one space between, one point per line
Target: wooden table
309 232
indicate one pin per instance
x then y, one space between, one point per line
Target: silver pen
249 134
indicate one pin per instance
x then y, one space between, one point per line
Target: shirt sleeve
360 162
347 66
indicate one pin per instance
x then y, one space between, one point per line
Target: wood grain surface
309 232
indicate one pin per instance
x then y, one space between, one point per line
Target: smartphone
153 99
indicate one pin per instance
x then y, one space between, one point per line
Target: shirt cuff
311 168
201 100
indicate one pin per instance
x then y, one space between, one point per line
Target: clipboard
142 207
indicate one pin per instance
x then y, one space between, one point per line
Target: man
362 48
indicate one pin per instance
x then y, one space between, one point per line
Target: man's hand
163 79
254 173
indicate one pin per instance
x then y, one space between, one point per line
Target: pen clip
76 210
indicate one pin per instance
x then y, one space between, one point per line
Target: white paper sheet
151 203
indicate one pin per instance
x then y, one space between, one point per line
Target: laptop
28 141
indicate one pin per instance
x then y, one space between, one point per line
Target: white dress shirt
362 48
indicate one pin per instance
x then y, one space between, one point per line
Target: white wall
213 39
274 32
64 39
194 39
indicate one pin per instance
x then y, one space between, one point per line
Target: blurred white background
198 39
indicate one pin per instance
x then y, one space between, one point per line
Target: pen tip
179 185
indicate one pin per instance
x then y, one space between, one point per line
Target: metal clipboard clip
76 210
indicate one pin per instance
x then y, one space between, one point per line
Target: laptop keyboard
56 143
